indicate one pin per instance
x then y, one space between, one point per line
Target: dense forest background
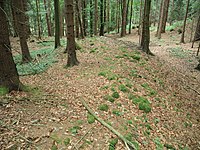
99 74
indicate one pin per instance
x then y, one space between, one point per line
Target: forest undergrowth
153 101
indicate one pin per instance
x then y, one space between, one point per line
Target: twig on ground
126 142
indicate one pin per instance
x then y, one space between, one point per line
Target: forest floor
153 101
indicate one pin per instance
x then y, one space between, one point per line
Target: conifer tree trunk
9 78
57 23
91 18
38 19
21 27
130 19
101 32
71 46
145 28
84 17
165 15
96 17
108 17
159 30
79 20
184 24
123 31
47 19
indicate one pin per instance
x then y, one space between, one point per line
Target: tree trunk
145 28
84 17
108 16
38 19
79 20
21 26
91 18
130 19
186 14
197 32
165 15
123 31
47 19
159 30
101 32
71 46
95 17
9 78
140 22
57 23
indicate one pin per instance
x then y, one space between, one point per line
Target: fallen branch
127 143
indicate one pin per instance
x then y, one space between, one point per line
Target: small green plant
66 141
117 112
103 107
113 143
145 85
133 73
56 138
104 87
102 74
3 91
129 137
90 118
115 94
136 57
123 88
145 107
93 50
159 145
143 103
109 98
129 85
131 96
74 130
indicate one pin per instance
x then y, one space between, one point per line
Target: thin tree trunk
165 15
47 19
130 19
101 32
38 19
57 23
91 18
79 20
159 31
140 22
21 26
84 17
108 16
96 17
185 20
123 31
145 28
71 46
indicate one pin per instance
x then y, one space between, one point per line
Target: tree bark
84 17
47 19
96 17
21 26
101 32
91 18
123 31
108 16
145 28
165 15
130 19
38 19
71 46
9 78
57 23
79 20
159 30
184 24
